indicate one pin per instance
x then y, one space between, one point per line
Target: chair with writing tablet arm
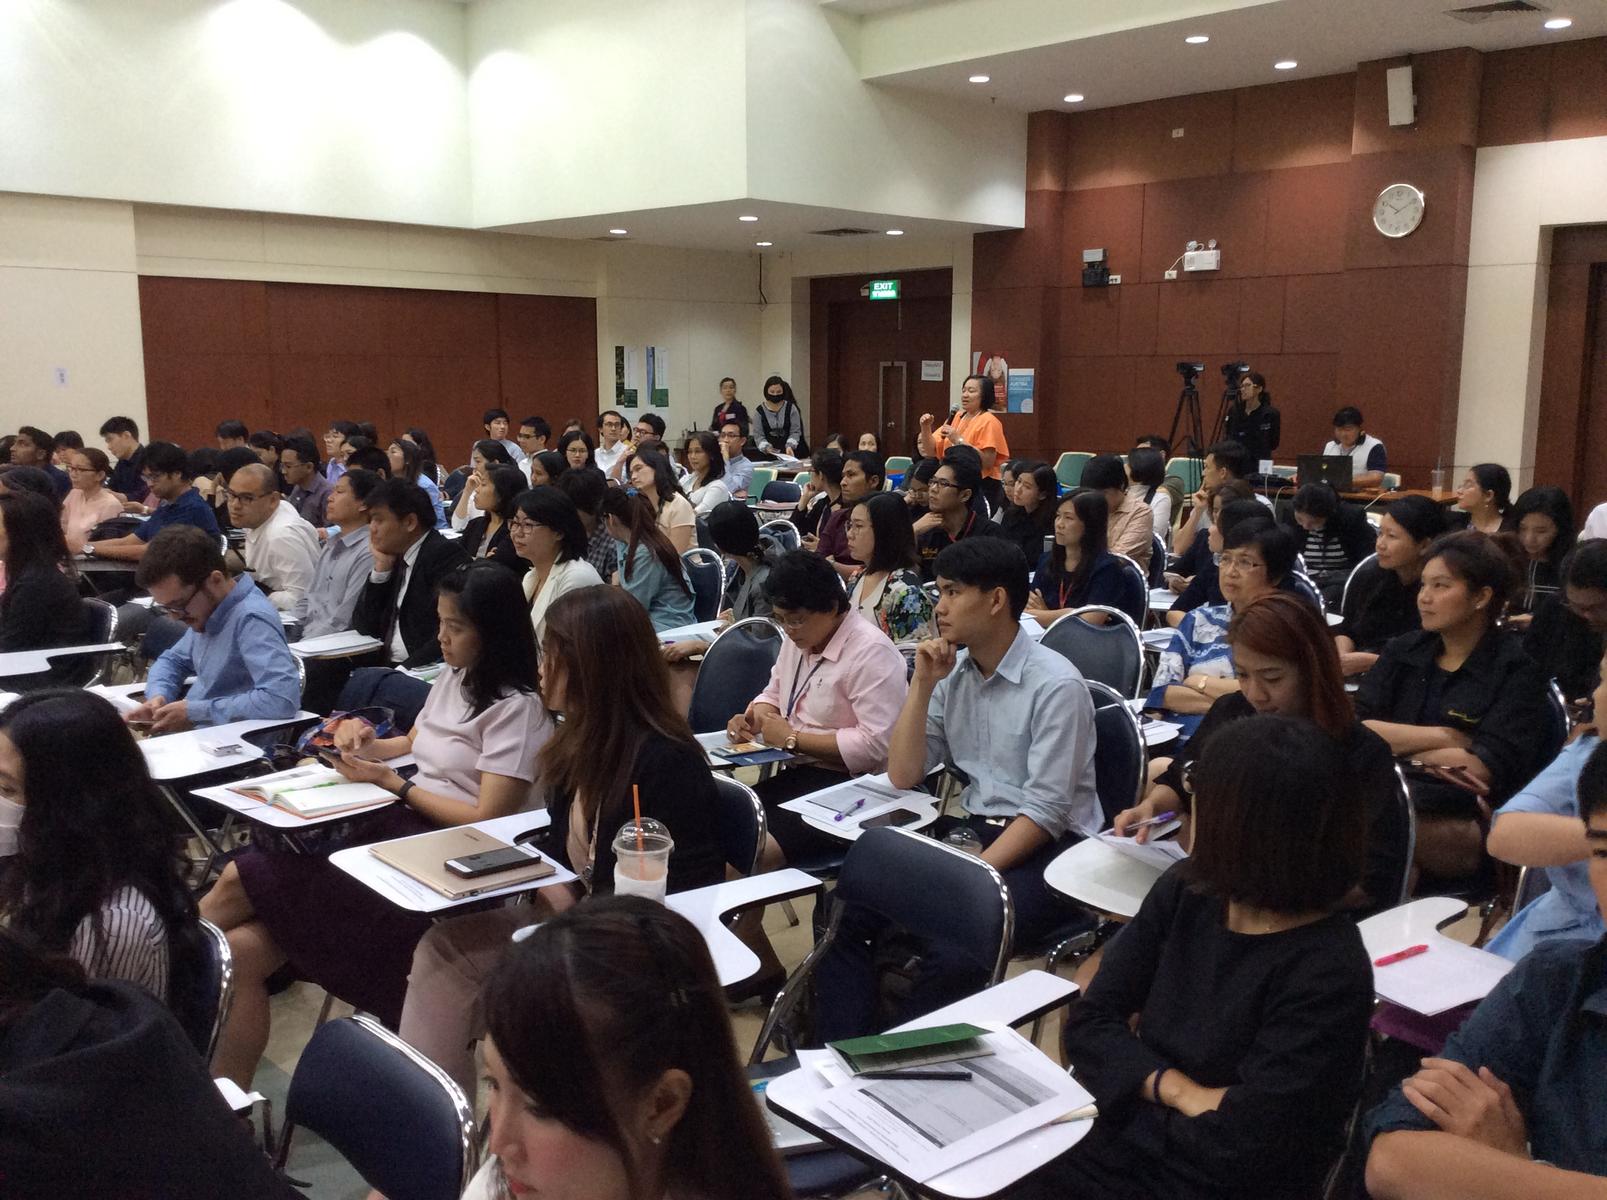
706 571
1112 653
735 669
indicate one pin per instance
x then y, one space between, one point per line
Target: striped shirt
1325 555
131 946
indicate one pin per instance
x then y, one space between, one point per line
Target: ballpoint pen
852 808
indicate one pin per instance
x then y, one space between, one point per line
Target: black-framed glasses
180 610
522 525
242 497
942 483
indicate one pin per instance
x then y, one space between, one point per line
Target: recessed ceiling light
895 233
979 78
1285 64
747 218
619 232
1559 22
1197 39
1073 97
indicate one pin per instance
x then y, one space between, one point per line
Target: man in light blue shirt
235 646
344 562
738 469
1017 719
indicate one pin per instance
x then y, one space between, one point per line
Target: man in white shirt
1595 524
612 446
281 549
1365 451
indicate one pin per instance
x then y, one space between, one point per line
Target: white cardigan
564 577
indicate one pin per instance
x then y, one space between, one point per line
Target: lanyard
799 686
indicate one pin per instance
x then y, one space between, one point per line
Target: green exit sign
884 289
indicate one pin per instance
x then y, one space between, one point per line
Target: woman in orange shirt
973 425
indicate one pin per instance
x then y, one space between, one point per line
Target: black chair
389 1111
736 667
202 1007
1112 653
1344 597
385 687
100 625
1157 561
782 532
779 490
740 824
1304 586
706 571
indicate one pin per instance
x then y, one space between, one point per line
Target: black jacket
501 552
1258 432
1351 526
1565 647
1379 607
437 557
41 608
1498 697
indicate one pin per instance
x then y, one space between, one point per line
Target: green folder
911 1048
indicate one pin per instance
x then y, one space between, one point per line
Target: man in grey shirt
345 561
1017 719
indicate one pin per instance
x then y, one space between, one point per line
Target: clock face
1398 210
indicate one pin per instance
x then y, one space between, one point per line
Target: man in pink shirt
833 696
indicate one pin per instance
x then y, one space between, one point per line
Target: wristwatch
791 744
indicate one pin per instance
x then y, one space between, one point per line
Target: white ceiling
1325 37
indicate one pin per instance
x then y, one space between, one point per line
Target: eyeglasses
242 497
1240 562
522 525
792 621
181 610
942 483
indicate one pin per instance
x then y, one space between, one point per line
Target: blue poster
1018 390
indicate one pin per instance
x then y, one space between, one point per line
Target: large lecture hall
766 599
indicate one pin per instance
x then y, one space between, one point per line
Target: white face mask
10 821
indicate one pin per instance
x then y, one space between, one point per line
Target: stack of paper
862 797
1160 854
335 645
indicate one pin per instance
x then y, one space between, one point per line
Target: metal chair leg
323 1013
792 913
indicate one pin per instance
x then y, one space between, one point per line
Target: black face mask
775 399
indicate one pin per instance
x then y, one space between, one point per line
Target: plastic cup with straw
642 854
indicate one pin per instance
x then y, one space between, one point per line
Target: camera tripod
1187 416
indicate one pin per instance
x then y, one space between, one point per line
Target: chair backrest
1533 882
1403 797
203 1004
1188 470
1344 596
99 625
1138 588
1157 561
1121 759
385 687
762 476
1068 467
783 532
736 666
1308 588
740 825
387 1109
1560 722
898 464
706 571
1112 653
781 490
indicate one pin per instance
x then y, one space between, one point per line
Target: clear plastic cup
963 837
642 859
1437 480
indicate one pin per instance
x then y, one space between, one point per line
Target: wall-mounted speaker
1402 103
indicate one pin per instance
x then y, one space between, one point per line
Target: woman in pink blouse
88 503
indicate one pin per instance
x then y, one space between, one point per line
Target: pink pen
1400 956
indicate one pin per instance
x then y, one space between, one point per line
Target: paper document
1157 639
862 797
1158 854
335 645
1448 975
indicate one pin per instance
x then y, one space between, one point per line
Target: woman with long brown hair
649 567
621 740
1286 665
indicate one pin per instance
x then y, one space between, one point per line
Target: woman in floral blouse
888 592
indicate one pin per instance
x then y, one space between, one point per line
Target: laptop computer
1334 469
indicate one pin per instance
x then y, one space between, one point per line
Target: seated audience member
121 435
336 448
487 454
103 1094
738 474
652 1099
863 475
1287 666
1368 458
748 560
281 549
1195 578
869 441
578 449
488 535
616 746
1196 667
917 484
15 479
1080 571
1017 720
407 462
364 455
833 696
1544 520
819 497
1029 519
650 569
548 536
1461 700
309 490
1007 488
267 444
1252 421
1484 501
1513 1105
344 562
956 514
36 448
88 504
429 465
1171 484
1132 526
475 741
1332 536
1565 637
1224 461
545 467
649 427
973 424
225 464
586 487
67 440
730 410
495 423
96 875
533 435
1224 1035
649 471
40 606
705 484
234 645
1540 828
888 592
230 434
1146 484
1595 524
1381 601
169 481
411 558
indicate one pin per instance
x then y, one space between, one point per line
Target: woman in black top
1029 517
1287 666
1381 602
1462 701
1224 1035
729 408
40 606
488 535
1544 521
822 494
1080 570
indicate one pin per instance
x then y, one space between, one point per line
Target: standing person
548 534
972 424
36 448
40 606
1369 460
888 592
863 475
1253 422
778 425
586 487
738 476
1544 520
705 484
1486 497
344 562
121 435
411 558
1382 599
650 474
1146 483
649 567
89 503
1029 520
1333 537
488 535
612 449
1081 570
729 409
309 490
281 550
953 517
1132 525
407 463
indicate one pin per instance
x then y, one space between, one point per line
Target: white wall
328 107
1520 193
69 300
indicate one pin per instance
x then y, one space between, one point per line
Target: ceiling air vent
1478 13
845 232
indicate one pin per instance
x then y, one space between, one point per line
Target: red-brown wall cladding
1283 176
278 355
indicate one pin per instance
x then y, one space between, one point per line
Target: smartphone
226 750
898 816
472 865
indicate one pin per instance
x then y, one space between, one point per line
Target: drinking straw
636 803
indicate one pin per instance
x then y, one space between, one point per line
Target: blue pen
855 807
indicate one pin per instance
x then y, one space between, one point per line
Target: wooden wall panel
1306 219
1447 86
1111 147
1544 93
1111 219
1301 123
1230 208
1579 93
